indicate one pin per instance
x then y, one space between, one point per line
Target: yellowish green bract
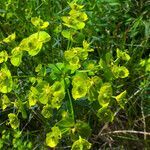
5 101
3 56
80 86
121 99
81 144
105 94
16 56
76 55
39 23
34 42
53 137
13 120
122 55
10 38
120 71
93 88
75 19
105 114
6 82
47 111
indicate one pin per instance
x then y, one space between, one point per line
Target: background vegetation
111 25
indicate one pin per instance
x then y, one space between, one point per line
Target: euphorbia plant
56 88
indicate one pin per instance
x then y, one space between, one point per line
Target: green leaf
57 86
21 108
41 93
5 101
107 71
52 138
75 6
44 92
72 59
94 86
3 56
5 80
33 44
80 16
105 94
40 36
32 96
57 71
39 23
38 68
56 102
68 34
147 65
79 91
122 55
10 38
16 56
41 70
121 99
81 144
70 54
105 114
13 120
65 124
108 58
76 19
79 25
80 87
120 72
58 29
83 129
34 47
47 111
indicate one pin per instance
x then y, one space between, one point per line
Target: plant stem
70 105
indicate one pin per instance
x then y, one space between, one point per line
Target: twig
143 118
126 131
104 127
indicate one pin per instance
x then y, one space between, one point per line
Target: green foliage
70 73
82 129
14 140
76 17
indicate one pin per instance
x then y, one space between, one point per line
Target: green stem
71 105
